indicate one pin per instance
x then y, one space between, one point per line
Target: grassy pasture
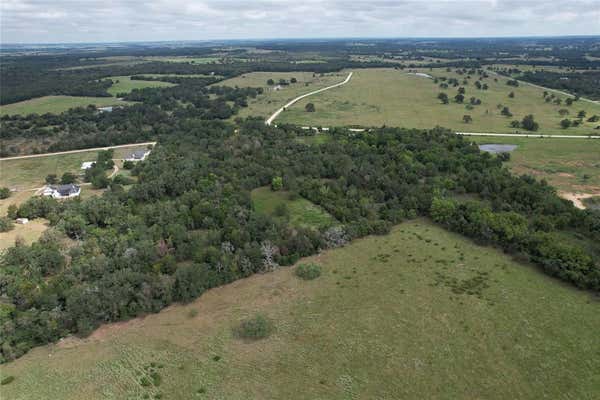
266 104
29 173
181 75
29 232
125 84
185 59
571 165
420 313
375 97
57 104
302 212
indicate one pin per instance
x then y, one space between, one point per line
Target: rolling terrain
418 313
376 97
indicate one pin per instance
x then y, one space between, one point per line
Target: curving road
291 102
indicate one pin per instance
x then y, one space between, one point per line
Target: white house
22 221
62 191
87 164
138 155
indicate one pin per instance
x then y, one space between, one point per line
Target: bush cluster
308 271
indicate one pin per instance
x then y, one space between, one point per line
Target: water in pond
497 148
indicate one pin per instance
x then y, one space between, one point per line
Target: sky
71 21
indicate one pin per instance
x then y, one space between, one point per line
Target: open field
181 75
29 232
391 317
184 59
57 104
265 104
567 164
29 173
375 97
125 84
302 212
15 198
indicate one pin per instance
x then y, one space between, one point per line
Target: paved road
76 151
291 102
529 135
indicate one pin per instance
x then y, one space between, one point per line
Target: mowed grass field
376 97
124 84
302 212
571 165
57 104
267 103
30 173
418 314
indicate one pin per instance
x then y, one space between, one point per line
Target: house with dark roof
62 191
138 155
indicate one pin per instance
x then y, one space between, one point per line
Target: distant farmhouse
105 109
62 191
138 155
87 164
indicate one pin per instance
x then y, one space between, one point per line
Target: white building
62 191
87 164
138 155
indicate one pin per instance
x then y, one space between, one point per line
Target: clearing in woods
418 313
570 165
386 96
124 84
28 173
57 104
300 211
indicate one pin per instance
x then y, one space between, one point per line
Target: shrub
6 224
128 164
255 328
7 380
68 178
277 183
192 313
4 193
308 271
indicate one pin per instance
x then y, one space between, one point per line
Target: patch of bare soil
576 198
566 175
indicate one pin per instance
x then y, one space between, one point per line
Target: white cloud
131 20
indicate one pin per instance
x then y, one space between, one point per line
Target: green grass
301 211
181 76
389 318
571 165
57 104
375 97
266 104
29 173
184 59
125 84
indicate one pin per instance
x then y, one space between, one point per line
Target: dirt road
77 151
291 102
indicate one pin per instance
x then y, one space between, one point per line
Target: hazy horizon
68 22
